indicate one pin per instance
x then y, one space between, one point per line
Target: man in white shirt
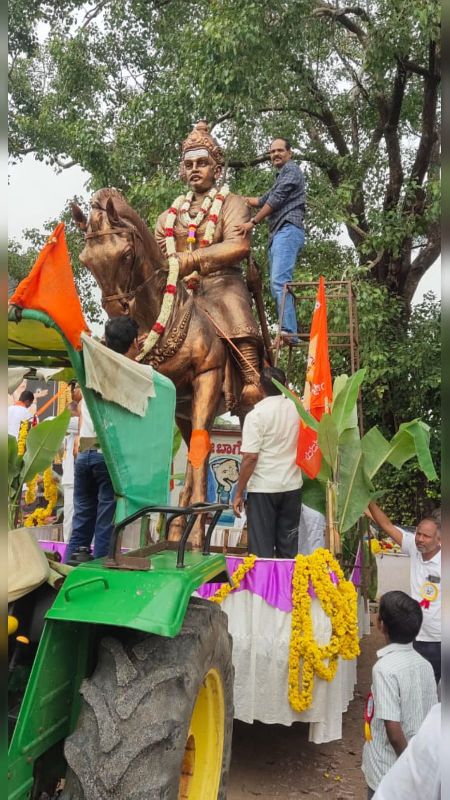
416 775
19 412
269 472
424 550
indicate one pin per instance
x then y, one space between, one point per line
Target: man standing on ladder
284 205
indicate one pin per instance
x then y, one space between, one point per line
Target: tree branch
341 15
422 262
93 12
428 133
391 115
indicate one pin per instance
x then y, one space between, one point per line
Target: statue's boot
250 366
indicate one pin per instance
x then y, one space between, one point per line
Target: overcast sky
36 193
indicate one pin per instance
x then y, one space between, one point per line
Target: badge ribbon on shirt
368 716
429 593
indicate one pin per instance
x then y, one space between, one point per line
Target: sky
37 193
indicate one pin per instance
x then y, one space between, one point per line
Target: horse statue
125 260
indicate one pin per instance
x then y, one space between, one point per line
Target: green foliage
115 87
353 462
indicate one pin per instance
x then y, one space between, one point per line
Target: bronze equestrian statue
186 290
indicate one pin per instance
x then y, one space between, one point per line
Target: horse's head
112 251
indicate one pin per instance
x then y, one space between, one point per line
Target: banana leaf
314 494
43 442
343 410
14 460
413 438
355 487
375 449
306 417
328 440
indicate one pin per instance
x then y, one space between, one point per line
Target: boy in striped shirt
403 688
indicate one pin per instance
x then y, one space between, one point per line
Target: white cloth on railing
261 636
117 378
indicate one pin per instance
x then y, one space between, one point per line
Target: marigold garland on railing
236 578
339 603
39 515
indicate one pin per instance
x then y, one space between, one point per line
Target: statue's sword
254 284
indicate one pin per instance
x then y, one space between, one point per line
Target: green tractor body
147 591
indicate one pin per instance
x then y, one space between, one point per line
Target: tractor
121 682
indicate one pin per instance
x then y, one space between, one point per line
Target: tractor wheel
157 715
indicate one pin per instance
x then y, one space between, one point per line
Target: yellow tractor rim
203 755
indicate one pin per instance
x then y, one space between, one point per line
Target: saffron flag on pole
318 392
50 287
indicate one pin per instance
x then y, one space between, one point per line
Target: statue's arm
160 235
233 248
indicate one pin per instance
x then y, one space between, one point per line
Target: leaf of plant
338 385
176 443
43 442
313 494
355 488
306 417
375 449
344 405
327 438
420 434
14 461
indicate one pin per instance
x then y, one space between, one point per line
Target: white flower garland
184 202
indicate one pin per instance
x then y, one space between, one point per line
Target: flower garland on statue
39 515
340 604
214 201
236 579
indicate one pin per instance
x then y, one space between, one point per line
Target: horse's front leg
177 526
206 397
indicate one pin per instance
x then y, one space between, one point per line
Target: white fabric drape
261 636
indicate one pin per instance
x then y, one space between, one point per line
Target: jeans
94 505
283 251
431 651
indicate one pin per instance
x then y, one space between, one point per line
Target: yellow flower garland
39 516
340 604
236 578
22 438
30 494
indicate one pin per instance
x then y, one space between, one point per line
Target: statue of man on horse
186 290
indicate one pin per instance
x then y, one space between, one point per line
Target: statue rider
210 250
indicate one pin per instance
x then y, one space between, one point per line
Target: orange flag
318 392
50 287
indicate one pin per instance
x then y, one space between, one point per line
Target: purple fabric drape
271 579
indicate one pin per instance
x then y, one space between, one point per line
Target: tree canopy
115 86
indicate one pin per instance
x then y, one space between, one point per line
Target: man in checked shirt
284 205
